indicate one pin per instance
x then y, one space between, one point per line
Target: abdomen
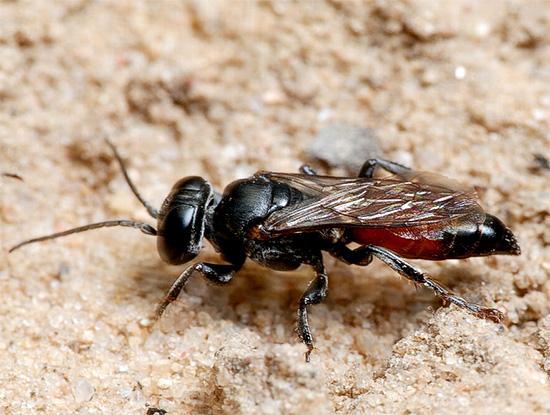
421 242
455 239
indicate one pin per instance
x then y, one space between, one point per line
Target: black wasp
282 221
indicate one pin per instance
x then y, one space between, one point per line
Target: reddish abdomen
419 242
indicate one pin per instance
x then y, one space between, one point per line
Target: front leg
218 274
315 293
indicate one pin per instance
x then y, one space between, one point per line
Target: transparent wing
404 200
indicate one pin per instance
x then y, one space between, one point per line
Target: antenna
143 227
150 209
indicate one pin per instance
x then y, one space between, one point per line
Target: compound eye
180 235
181 220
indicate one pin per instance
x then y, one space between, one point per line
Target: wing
404 200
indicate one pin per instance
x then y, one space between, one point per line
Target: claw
492 313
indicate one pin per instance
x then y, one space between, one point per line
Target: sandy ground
223 89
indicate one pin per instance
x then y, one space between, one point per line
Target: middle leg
315 293
370 166
306 169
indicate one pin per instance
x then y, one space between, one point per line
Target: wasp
284 220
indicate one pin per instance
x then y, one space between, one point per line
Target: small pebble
345 145
82 390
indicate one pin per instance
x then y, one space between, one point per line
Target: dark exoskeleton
282 221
